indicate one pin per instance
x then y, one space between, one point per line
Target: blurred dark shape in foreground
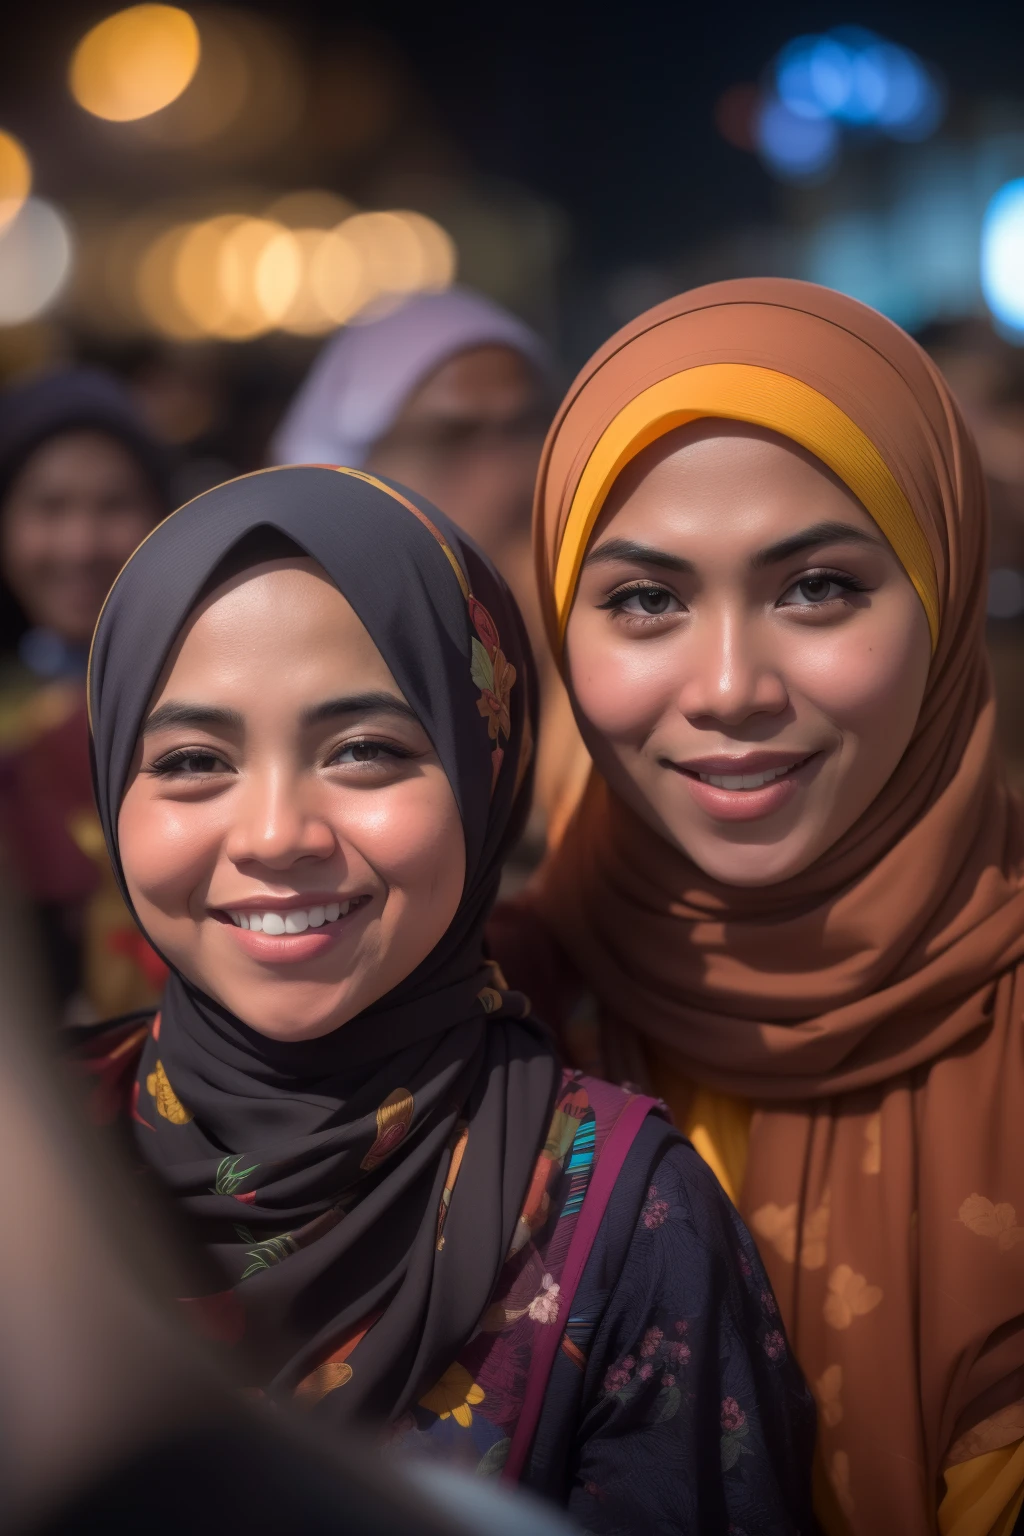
112 1420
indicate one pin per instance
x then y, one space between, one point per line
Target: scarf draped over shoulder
871 1006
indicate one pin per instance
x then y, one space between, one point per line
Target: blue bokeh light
1002 257
859 79
795 146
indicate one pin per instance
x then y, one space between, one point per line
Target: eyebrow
358 704
640 554
811 538
808 538
203 717
208 717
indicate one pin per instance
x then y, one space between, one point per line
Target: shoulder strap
607 1169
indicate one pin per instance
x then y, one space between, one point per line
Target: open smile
748 787
286 932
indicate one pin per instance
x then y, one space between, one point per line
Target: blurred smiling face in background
288 835
74 513
746 654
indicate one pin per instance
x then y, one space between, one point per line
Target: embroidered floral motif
777 1224
655 1210
734 1431
849 1296
230 1177
987 1220
775 1344
454 1396
168 1105
544 1306
494 675
827 1389
393 1120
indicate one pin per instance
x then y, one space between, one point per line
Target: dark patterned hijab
363 1186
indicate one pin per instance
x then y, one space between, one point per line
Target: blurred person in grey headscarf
452 395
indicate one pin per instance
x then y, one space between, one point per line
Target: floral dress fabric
674 1404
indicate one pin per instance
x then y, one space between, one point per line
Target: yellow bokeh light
240 264
310 208
135 62
337 278
15 177
234 277
156 289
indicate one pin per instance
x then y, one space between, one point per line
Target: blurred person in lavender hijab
451 395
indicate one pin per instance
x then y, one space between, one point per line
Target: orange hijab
870 1007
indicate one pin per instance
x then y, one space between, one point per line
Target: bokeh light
246 96
1002 257
859 79
310 208
35 261
135 62
795 146
233 277
15 177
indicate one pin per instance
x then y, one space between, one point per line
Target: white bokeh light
1002 256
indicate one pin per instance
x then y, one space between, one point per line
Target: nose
732 674
277 822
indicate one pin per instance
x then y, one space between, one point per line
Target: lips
289 932
746 788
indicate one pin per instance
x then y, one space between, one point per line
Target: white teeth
743 780
295 921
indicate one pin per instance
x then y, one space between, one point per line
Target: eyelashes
642 603
188 762
203 762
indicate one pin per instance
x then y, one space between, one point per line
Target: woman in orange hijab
794 888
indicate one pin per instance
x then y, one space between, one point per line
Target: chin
293 1011
746 865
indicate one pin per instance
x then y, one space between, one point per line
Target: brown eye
815 588
654 599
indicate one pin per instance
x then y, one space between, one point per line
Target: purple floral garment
674 1405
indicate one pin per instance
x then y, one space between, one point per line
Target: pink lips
746 804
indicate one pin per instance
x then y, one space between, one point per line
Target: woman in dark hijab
82 480
312 713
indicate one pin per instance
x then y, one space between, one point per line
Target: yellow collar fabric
743 392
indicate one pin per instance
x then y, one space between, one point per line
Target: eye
819 587
189 762
644 600
378 753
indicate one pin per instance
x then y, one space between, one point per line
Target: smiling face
73 515
288 835
746 655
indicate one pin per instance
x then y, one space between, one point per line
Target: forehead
721 476
474 380
282 621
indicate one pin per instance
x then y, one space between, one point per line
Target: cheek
869 683
167 850
411 835
621 688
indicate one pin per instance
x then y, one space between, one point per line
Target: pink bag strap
602 1182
